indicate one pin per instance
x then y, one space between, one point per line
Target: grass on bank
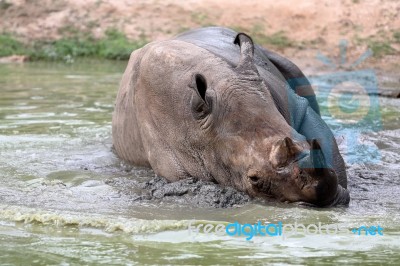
114 45
381 44
277 39
10 46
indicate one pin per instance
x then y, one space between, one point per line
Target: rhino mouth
342 197
262 187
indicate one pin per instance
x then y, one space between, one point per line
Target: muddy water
66 199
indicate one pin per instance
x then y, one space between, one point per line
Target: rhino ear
199 103
200 85
283 152
246 46
246 63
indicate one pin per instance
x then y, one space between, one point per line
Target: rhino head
186 113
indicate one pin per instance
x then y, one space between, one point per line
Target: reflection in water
65 197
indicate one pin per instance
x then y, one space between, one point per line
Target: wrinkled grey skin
211 105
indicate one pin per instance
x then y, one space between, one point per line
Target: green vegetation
117 46
380 44
114 45
201 18
396 36
380 48
10 46
277 39
182 29
4 4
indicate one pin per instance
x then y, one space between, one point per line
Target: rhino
211 104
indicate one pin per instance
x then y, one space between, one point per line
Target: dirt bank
298 29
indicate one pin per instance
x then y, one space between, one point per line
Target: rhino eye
201 85
254 179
